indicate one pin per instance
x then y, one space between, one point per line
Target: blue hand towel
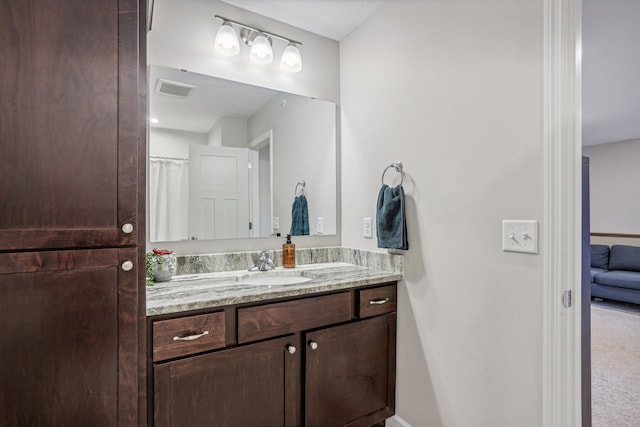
391 223
300 217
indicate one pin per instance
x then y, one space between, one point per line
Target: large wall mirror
229 160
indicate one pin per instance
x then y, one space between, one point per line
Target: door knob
127 228
313 345
291 348
127 265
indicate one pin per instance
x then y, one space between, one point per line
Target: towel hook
301 183
398 167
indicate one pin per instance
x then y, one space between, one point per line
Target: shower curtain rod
167 158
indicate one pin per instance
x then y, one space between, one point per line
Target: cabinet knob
127 266
313 345
291 349
127 228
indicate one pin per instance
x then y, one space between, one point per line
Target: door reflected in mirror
226 159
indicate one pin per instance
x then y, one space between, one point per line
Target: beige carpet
615 367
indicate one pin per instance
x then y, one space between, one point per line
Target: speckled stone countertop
198 291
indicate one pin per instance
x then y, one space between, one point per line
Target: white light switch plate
520 236
276 223
367 228
319 225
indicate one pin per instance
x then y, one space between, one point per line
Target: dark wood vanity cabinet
252 385
72 186
332 365
349 373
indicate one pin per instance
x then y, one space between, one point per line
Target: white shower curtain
168 199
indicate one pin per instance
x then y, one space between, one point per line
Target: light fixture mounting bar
239 24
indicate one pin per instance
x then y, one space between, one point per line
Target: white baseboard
396 421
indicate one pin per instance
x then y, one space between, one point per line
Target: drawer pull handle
313 345
378 301
191 337
291 349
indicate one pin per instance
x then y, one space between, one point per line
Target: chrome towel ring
398 167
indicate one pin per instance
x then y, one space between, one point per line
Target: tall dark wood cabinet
72 168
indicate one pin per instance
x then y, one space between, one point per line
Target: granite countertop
198 291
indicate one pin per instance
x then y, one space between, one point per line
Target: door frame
257 144
561 400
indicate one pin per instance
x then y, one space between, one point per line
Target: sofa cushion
624 257
619 279
600 256
595 271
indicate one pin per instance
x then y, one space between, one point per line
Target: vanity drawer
271 320
187 335
374 301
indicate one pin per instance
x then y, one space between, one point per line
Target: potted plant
160 265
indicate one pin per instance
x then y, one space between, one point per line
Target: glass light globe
291 59
227 42
261 51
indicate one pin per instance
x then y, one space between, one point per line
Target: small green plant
151 257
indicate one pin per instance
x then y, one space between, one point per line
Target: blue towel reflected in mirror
300 217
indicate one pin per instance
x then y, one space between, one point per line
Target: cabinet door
61 360
252 385
70 130
350 373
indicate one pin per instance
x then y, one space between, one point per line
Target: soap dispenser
288 253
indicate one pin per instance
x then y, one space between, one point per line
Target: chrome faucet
264 263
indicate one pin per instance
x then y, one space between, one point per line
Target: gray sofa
615 272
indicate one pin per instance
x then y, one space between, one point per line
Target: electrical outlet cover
367 228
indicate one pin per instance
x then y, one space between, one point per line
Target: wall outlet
319 225
276 223
367 228
520 236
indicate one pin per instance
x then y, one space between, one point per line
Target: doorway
610 64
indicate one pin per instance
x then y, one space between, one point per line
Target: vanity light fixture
261 43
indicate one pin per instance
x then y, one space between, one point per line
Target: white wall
215 135
229 132
454 90
312 160
614 177
182 37
173 143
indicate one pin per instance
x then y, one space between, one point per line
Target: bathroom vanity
318 353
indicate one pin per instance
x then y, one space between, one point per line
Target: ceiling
333 19
610 71
212 99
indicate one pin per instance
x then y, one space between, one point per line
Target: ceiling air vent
178 90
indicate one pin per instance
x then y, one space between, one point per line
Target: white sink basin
273 279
